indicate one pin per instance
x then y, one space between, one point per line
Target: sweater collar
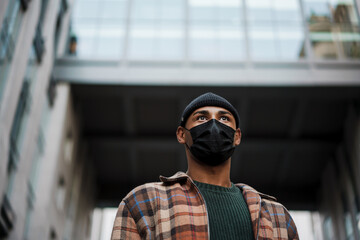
215 188
179 176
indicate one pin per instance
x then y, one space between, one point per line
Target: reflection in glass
334 28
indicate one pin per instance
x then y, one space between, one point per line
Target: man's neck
216 175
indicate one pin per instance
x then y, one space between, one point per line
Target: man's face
204 114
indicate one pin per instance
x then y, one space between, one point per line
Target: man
203 202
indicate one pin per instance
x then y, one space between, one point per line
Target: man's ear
237 137
180 134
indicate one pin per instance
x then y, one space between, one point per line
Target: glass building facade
216 30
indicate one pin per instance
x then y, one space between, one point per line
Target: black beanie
208 99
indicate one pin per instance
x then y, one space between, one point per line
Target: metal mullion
357 10
186 38
336 40
308 49
157 28
99 23
127 32
216 30
275 29
248 62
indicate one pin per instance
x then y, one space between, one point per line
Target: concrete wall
72 215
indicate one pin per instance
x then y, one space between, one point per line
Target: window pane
86 39
215 30
157 30
172 9
259 10
145 9
334 28
97 29
262 42
287 10
86 10
203 45
142 37
275 30
110 42
170 40
291 41
113 10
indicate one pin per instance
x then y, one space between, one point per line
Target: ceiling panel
269 117
112 161
289 134
156 115
324 118
103 114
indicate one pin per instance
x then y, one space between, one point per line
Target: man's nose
213 126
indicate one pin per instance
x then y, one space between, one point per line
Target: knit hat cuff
208 99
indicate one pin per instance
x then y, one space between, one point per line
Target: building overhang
289 135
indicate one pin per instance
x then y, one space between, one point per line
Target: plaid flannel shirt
174 208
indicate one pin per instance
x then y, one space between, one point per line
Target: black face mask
213 142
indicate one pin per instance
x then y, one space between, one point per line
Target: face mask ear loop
187 146
186 143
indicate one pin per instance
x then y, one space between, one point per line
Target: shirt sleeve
291 227
124 224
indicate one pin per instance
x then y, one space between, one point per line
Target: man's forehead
210 109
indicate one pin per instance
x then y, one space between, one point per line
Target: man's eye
201 118
224 118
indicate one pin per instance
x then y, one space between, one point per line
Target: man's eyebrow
201 112
224 112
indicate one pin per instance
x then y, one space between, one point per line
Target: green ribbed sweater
229 216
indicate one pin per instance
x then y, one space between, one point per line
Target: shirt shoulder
146 190
250 190
150 192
